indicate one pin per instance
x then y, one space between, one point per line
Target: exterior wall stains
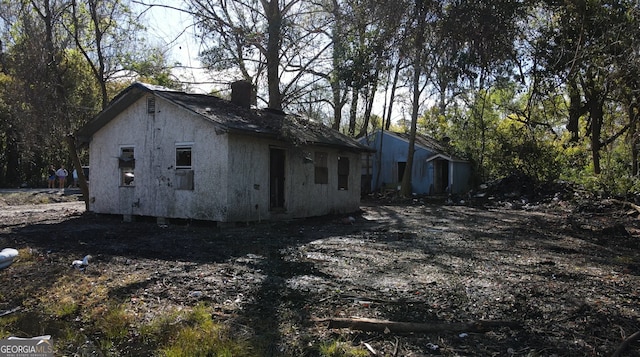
154 138
249 182
230 171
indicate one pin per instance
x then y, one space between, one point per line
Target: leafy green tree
587 46
105 32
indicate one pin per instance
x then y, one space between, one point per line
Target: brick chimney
242 94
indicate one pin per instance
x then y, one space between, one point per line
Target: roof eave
117 106
275 136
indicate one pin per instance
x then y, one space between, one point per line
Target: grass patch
339 348
25 198
193 333
6 325
25 255
114 323
36 198
70 294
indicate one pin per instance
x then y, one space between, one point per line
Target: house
435 170
169 154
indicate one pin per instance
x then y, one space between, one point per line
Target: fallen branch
371 350
627 203
9 312
623 346
366 324
395 348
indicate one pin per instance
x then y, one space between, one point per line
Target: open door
276 179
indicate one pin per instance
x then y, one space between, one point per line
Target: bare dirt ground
551 278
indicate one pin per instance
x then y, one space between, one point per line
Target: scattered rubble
556 278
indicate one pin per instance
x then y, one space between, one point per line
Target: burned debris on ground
557 278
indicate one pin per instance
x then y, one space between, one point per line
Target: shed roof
228 117
439 148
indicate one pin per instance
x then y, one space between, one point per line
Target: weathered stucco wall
249 182
154 138
231 171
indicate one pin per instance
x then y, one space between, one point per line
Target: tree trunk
396 76
633 138
369 107
98 33
82 180
338 104
406 186
379 158
576 110
334 81
353 111
274 17
597 117
13 158
366 324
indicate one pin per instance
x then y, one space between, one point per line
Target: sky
173 30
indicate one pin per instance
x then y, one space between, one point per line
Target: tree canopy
545 88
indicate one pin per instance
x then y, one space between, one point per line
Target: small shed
435 169
163 153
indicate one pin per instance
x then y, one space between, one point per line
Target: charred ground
561 273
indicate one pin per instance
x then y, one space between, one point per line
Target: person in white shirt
62 174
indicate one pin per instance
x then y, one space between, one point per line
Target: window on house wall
183 157
127 165
343 173
184 168
321 168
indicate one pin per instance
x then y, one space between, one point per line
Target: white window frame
184 146
184 173
127 173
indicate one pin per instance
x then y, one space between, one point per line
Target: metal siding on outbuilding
394 150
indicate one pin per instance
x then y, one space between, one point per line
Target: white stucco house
169 154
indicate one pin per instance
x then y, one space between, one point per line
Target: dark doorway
401 168
276 179
440 176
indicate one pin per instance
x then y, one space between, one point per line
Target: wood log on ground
627 203
623 346
376 325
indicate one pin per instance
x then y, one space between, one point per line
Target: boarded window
184 168
321 168
343 173
127 165
184 180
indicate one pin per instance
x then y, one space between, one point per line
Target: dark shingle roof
230 117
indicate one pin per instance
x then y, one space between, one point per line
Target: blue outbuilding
435 169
